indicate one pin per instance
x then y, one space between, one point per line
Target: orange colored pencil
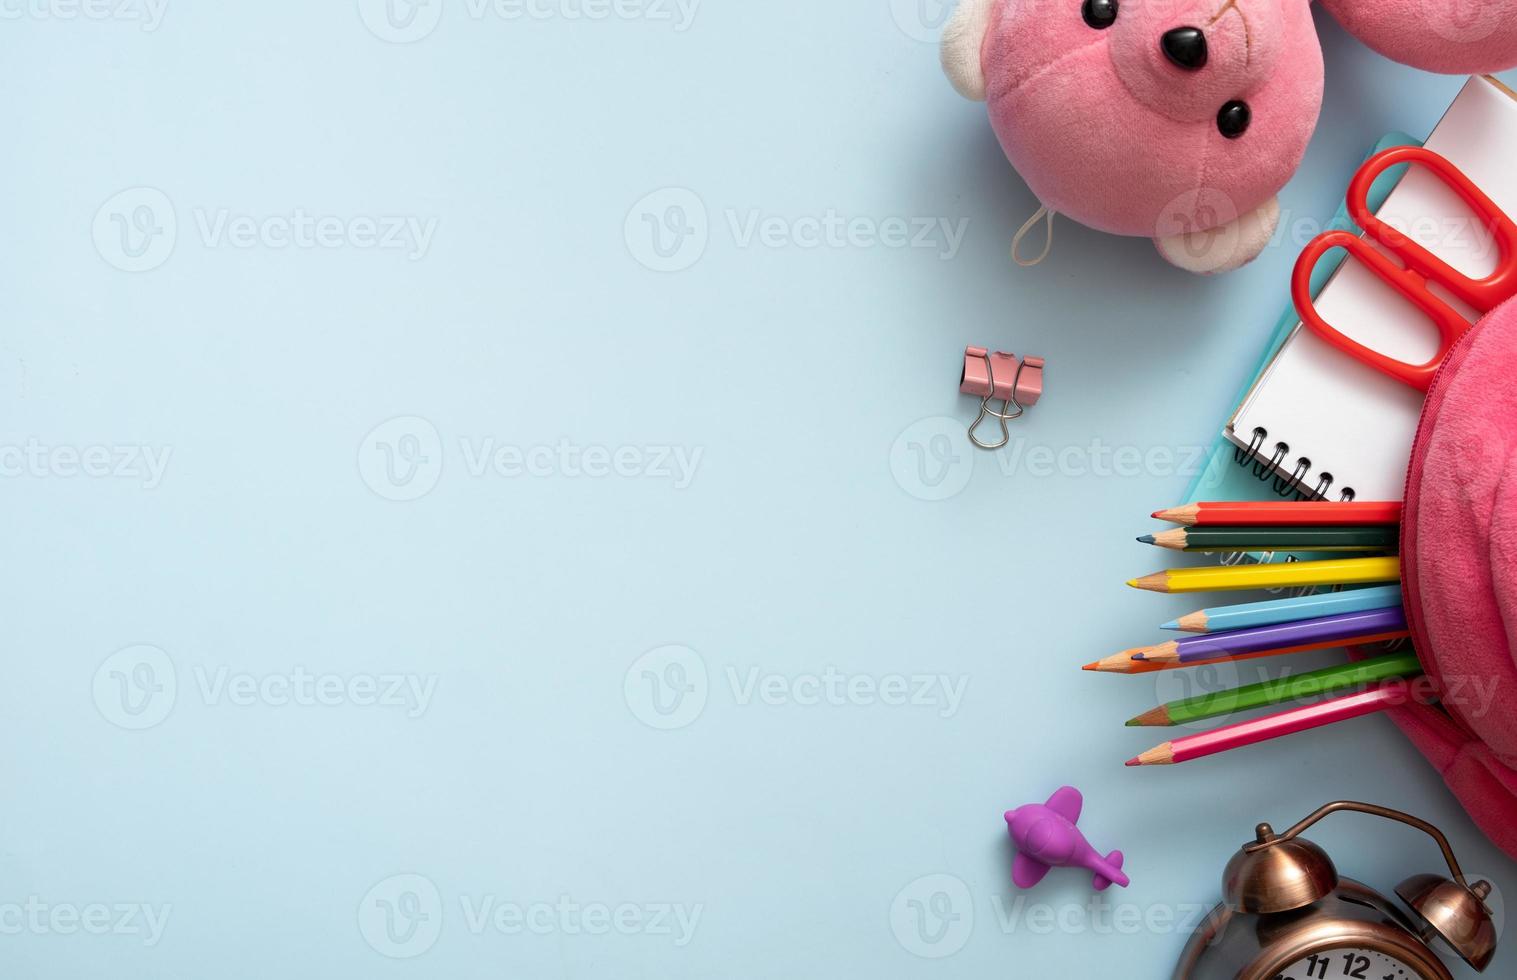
1122 663
1284 513
1386 695
1171 652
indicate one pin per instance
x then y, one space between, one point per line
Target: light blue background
269 544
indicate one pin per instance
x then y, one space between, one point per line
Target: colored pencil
1272 611
1373 537
1312 684
1136 661
1274 575
1123 663
1272 513
1384 695
1342 629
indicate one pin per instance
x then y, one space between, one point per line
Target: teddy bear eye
1233 118
1099 14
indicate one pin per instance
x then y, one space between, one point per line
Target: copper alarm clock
1287 915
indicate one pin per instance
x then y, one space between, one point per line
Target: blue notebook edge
1221 478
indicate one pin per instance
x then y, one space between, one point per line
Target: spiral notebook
1317 422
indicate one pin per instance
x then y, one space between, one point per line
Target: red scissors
1418 268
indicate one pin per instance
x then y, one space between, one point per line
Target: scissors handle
1417 266
1482 294
1406 281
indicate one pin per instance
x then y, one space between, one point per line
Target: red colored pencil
1369 701
1284 513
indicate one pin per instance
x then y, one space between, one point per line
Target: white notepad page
1347 419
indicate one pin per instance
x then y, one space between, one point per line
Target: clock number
1356 965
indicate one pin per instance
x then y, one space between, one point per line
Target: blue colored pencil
1249 614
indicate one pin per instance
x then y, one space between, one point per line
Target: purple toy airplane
1045 835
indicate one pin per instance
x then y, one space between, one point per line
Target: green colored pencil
1259 695
1326 538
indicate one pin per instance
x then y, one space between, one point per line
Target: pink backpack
1459 573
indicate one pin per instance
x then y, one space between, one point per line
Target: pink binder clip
1017 384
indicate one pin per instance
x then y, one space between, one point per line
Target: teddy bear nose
1186 47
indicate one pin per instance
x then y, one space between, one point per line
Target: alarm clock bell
1286 913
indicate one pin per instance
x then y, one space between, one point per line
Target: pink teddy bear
1180 120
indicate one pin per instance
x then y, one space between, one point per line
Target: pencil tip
1132 762
1092 666
1146 539
1132 723
1196 622
1134 583
1173 624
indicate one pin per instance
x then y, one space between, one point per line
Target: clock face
1349 964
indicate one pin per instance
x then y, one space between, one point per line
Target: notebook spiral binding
1272 468
1291 485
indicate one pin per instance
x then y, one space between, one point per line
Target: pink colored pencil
1385 695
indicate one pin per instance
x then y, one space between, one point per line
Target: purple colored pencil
1343 628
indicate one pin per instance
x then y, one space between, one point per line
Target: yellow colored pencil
1275 575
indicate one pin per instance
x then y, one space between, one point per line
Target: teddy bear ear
1226 247
963 37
